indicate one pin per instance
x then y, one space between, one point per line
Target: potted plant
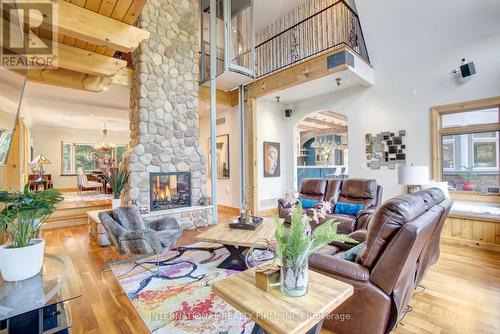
117 180
467 176
21 221
295 244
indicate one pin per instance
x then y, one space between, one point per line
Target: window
466 145
76 155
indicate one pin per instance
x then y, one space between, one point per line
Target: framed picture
222 148
272 159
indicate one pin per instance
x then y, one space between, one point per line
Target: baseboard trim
228 209
471 243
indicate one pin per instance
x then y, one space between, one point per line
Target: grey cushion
129 217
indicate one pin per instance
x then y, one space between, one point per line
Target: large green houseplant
294 244
117 180
21 221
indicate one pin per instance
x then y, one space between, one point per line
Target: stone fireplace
169 191
164 119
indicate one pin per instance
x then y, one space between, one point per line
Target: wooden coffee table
237 241
273 312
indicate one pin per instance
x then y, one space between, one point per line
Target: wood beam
305 127
330 125
223 98
124 78
80 23
333 114
70 79
310 70
80 60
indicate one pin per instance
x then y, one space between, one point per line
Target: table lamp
40 160
413 177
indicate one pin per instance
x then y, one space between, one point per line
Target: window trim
437 131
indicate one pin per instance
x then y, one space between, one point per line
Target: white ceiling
48 106
396 29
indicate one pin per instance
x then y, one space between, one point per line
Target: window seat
476 210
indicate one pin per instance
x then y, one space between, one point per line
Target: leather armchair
357 191
310 188
384 272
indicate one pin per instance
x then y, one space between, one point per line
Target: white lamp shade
413 175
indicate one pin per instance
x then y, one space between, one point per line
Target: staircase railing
329 28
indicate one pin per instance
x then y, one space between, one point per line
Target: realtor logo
28 35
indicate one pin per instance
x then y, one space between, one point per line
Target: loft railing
331 27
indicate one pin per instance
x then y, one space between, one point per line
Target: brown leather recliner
311 189
384 274
357 191
430 253
363 191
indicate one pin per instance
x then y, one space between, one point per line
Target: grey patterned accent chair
130 234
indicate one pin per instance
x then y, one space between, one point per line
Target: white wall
390 105
228 190
271 126
48 141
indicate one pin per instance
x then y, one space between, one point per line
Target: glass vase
294 278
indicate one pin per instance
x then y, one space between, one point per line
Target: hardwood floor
462 291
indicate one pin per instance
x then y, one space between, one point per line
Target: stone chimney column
164 119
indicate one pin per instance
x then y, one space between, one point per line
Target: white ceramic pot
17 264
116 203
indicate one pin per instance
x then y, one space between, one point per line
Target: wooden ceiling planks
98 43
126 11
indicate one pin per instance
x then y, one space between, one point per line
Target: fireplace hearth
169 190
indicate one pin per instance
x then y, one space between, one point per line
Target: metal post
241 114
213 106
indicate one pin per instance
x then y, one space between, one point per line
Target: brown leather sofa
385 272
358 191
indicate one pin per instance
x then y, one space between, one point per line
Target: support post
213 106
241 114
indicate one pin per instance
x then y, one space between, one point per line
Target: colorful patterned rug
180 300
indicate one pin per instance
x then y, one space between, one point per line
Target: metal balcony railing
329 28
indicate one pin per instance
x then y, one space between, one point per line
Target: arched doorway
321 148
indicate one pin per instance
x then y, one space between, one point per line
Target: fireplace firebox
169 190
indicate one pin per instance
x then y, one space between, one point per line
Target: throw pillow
350 209
352 253
308 203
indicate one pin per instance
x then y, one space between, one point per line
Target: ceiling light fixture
104 145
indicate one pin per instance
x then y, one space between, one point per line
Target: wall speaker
288 113
467 69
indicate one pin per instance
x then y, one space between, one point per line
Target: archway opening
321 146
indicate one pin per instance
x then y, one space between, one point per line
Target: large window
76 155
466 145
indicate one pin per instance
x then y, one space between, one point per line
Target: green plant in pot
117 180
468 175
21 221
295 244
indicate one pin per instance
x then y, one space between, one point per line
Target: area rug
180 300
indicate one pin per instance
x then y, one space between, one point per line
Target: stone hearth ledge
188 218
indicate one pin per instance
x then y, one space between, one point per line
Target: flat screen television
12 83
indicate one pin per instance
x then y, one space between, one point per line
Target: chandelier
104 145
